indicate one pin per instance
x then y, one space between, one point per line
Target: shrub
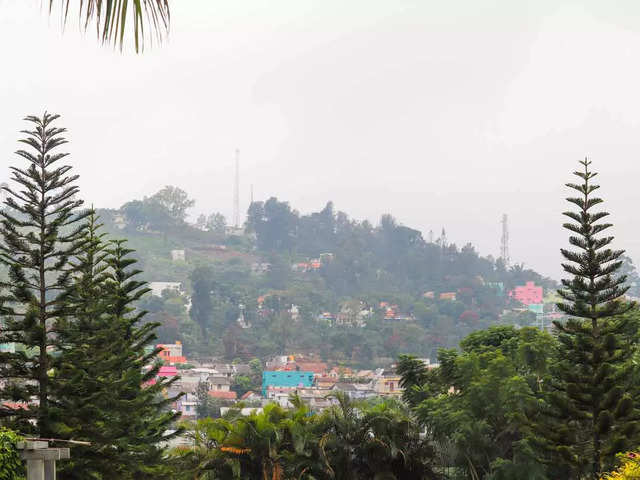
11 467
629 470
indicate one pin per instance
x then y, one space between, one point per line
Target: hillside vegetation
321 283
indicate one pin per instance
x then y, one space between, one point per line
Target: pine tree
105 390
145 419
39 230
592 414
84 369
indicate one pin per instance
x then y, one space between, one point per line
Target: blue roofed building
292 379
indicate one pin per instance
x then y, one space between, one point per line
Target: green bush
11 467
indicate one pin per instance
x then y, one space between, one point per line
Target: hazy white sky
441 113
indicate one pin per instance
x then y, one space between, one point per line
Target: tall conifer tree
591 413
39 230
83 370
145 421
104 380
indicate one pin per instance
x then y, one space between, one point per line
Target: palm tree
205 460
112 19
380 442
349 441
258 441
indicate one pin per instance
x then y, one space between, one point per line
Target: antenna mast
236 193
504 242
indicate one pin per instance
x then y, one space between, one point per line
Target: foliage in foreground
591 409
348 441
474 405
11 467
146 18
77 366
101 381
629 470
41 229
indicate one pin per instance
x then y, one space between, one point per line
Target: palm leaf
146 19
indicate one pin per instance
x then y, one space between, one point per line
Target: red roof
15 405
247 395
168 371
315 367
224 395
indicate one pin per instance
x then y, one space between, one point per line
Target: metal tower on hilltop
443 238
236 193
504 241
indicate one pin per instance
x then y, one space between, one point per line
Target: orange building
448 296
171 352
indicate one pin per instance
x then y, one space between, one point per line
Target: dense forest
361 293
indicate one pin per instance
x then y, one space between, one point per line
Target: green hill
321 283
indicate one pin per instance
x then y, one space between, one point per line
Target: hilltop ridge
321 283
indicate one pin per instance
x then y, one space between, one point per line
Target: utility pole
504 241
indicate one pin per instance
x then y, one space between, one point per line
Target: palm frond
115 20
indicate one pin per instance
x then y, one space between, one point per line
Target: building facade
285 379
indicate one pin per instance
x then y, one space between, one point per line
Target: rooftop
223 395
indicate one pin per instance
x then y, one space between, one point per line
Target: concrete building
355 391
187 404
171 352
285 379
224 369
168 371
387 384
527 294
222 395
177 255
245 412
158 287
219 383
119 221
188 383
448 296
251 396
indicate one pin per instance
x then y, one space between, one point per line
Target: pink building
167 371
527 294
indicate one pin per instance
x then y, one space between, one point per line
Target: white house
177 255
158 287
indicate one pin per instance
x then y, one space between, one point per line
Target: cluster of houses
313 264
441 296
215 377
315 383
283 376
356 313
